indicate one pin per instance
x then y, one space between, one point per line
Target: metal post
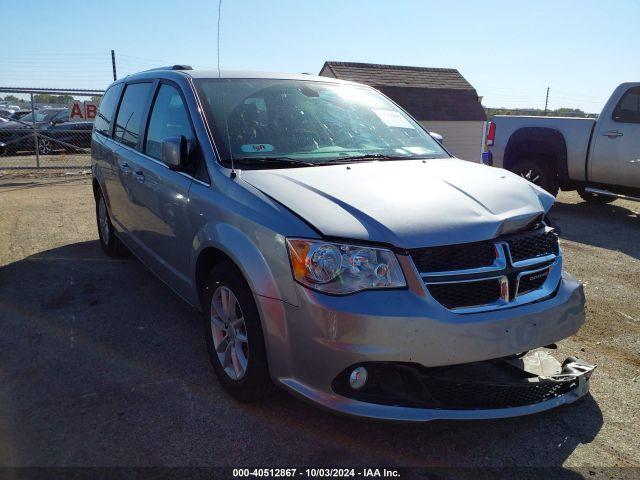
546 103
35 131
113 64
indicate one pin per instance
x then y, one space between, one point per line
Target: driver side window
169 118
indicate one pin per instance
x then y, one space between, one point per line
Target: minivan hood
408 203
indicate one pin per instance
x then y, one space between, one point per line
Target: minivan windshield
269 122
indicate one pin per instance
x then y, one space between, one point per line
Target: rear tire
594 198
110 243
539 173
234 337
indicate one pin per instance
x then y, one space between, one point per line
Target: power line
142 59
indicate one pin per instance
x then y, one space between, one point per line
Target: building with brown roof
441 99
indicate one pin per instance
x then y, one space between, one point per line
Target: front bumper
579 387
311 344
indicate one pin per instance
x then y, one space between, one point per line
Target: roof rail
171 67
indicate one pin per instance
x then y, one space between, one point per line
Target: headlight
340 269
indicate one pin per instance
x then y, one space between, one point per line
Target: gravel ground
102 365
58 160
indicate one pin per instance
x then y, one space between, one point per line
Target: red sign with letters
83 110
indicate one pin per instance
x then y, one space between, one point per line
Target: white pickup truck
598 158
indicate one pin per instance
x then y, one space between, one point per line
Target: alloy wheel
229 333
45 146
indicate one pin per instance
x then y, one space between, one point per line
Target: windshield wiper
270 161
366 158
374 156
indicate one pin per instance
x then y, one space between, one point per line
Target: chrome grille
506 271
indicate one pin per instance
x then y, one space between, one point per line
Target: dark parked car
55 132
6 112
12 112
18 114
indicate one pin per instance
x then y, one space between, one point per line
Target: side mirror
437 137
57 121
174 151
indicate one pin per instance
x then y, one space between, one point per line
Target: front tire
539 173
111 245
594 198
234 337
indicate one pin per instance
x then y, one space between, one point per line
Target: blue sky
509 50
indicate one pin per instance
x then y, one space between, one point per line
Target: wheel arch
220 242
269 299
538 142
207 259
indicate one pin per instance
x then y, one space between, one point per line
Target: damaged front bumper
314 345
498 388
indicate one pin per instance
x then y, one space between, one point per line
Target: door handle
124 166
139 176
612 134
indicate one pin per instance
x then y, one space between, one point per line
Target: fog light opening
358 378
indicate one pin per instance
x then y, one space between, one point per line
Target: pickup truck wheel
594 198
111 245
234 337
538 173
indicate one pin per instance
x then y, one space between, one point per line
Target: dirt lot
77 160
100 364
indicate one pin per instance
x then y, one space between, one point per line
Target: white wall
463 139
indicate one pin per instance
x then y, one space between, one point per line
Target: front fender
266 269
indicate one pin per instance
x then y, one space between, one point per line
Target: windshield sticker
256 148
392 119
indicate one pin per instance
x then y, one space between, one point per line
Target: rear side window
106 111
130 113
168 119
628 108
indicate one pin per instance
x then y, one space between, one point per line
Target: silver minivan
335 248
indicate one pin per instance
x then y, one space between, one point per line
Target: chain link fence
46 128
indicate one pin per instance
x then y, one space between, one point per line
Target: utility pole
113 65
546 102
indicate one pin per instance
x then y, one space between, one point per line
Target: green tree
53 99
537 112
11 99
